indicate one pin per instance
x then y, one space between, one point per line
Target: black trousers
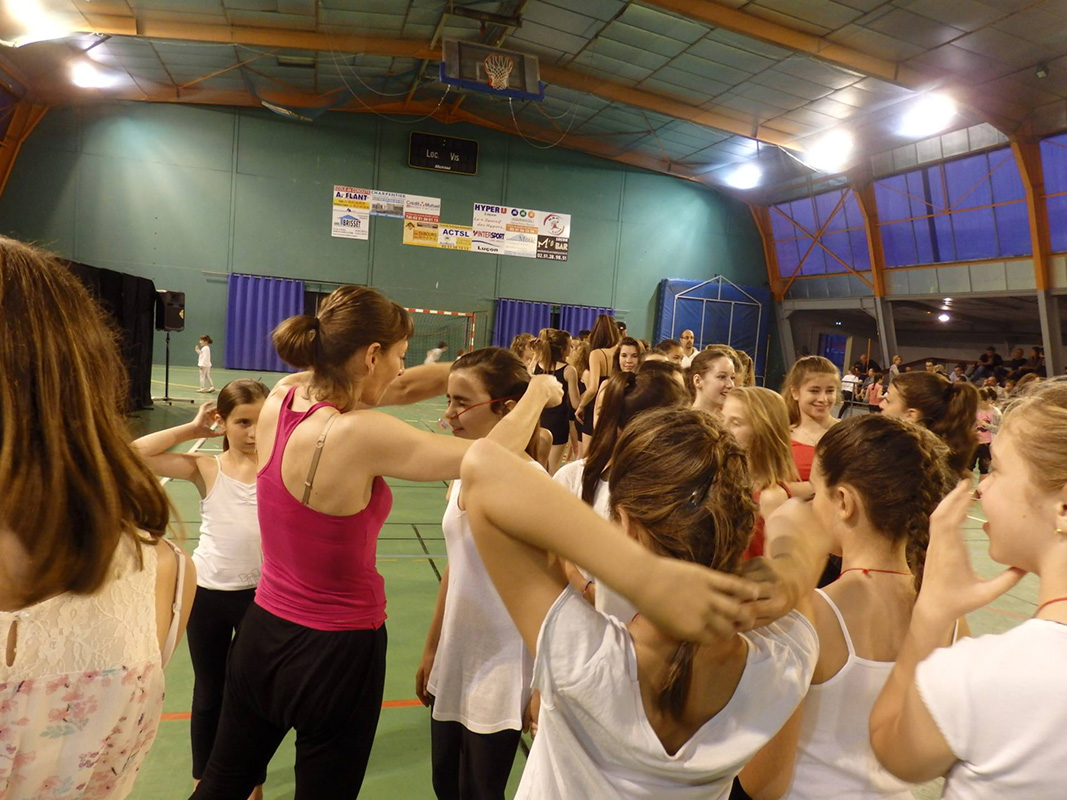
326 684
470 766
212 624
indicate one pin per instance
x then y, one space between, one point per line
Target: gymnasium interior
791 177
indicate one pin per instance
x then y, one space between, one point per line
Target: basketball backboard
476 67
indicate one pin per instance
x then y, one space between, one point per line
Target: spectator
986 365
1016 363
959 373
865 363
894 368
874 394
851 384
930 366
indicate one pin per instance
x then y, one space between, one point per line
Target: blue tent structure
718 311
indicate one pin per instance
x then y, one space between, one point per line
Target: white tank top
482 671
229 555
834 755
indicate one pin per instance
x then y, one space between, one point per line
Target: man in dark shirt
865 364
986 366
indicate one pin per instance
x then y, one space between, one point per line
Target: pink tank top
318 570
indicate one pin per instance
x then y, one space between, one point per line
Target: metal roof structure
685 87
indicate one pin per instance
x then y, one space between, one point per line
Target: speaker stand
166 398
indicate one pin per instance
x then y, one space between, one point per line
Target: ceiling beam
1002 114
410 48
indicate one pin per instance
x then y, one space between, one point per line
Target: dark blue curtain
519 316
578 318
254 307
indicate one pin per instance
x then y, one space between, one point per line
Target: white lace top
81 703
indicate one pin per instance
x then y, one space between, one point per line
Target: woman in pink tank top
310 653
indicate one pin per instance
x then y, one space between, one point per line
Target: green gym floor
411 557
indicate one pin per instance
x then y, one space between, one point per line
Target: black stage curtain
130 302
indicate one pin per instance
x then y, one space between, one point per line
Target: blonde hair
73 487
770 454
1038 420
805 368
746 370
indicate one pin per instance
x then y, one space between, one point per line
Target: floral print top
81 702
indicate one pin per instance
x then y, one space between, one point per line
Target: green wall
185 194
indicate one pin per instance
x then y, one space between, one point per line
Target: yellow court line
182 385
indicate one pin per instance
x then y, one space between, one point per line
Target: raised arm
904 735
519 516
417 383
181 466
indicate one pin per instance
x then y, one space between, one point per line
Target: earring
1059 532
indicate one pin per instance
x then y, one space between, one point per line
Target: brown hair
746 370
627 341
206 338
520 343
945 408
605 333
1039 420
799 373
680 475
770 455
73 486
625 395
236 393
504 375
352 317
551 344
580 356
701 364
900 470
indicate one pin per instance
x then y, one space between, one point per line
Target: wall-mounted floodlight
944 317
88 76
37 23
830 153
746 176
929 115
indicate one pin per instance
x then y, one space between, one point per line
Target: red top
803 457
318 569
755 547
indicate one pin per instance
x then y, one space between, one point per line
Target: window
1054 167
821 235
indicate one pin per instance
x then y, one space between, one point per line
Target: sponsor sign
351 213
387 204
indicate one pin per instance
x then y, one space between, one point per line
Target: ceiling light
1041 71
746 176
89 76
37 23
830 153
948 299
944 317
929 115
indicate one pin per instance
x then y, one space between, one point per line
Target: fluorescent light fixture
929 115
944 317
88 76
38 23
830 153
747 176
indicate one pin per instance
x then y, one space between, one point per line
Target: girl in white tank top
876 481
475 671
228 555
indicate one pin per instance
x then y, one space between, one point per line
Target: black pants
470 766
326 684
982 459
212 624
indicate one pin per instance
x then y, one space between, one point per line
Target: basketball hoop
498 68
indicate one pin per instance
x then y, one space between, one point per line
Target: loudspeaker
170 310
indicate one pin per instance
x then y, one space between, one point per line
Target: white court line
196 446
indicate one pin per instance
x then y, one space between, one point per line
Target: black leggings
326 684
982 459
468 765
212 624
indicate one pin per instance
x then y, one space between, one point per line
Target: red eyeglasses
445 423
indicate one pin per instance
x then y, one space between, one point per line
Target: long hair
626 394
702 363
350 318
900 470
236 393
627 341
803 369
503 374
605 333
73 486
770 454
551 345
678 473
1038 420
945 408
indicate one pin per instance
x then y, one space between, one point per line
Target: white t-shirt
594 739
570 476
687 360
482 671
203 358
1000 701
434 355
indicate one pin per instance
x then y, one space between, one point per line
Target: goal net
454 328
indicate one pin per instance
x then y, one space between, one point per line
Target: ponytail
947 409
675 690
656 384
550 346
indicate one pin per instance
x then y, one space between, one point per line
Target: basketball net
498 68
